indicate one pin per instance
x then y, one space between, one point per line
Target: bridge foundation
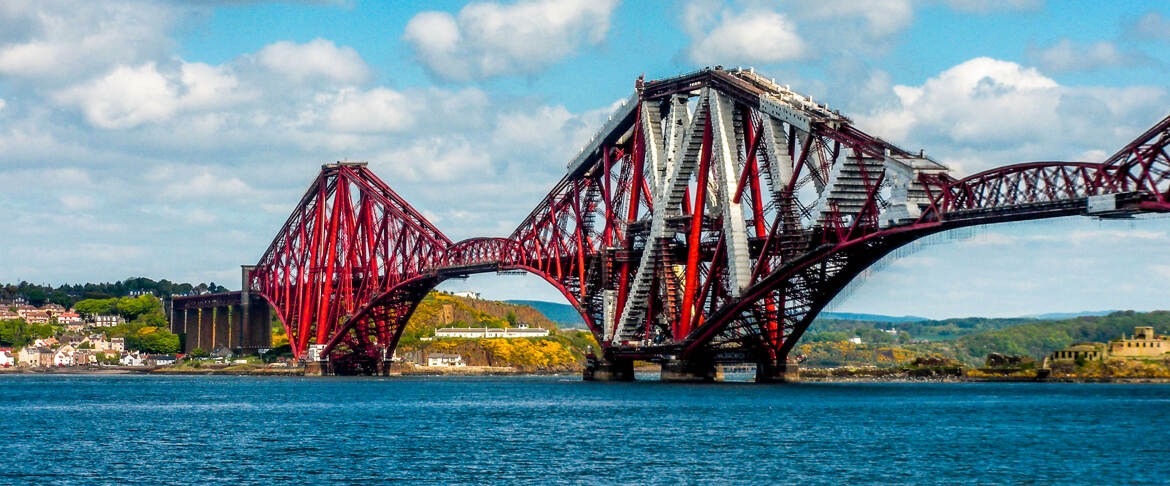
768 372
319 367
597 369
688 371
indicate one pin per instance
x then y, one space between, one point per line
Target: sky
171 139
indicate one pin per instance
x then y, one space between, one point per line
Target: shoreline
474 371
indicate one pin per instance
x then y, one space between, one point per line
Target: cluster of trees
68 294
940 330
1038 339
17 333
153 340
973 338
844 353
129 308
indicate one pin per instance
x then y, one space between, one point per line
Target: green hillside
967 340
561 350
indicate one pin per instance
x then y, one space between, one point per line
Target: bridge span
709 220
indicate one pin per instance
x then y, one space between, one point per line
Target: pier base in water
605 370
777 373
689 371
320 367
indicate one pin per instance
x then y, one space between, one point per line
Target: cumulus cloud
489 39
376 110
749 36
774 31
987 112
437 160
132 95
316 59
1068 56
56 41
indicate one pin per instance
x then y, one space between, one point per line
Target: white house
489 332
105 321
466 293
64 356
133 359
440 359
160 360
7 360
67 318
855 340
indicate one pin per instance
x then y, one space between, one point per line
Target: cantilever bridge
710 220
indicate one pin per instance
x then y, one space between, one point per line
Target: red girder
353 260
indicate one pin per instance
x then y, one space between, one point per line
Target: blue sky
171 139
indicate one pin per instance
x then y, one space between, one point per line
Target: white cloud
126 97
773 31
56 41
489 39
880 17
130 96
2 104
316 59
376 110
437 160
1151 26
749 36
1068 56
986 112
183 182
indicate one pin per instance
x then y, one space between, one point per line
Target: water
162 430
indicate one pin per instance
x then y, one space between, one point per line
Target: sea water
133 429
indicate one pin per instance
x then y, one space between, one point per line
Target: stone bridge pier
239 321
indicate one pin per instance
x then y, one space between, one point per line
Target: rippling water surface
162 430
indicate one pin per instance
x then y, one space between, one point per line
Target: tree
199 353
153 340
36 297
62 299
91 307
511 319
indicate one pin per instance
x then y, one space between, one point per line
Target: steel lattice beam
715 212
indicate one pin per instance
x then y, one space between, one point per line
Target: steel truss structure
711 218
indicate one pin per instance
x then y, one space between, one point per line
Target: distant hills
1057 316
849 316
567 316
562 314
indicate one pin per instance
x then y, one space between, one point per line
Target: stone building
1143 344
1085 351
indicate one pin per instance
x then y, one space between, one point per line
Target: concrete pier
598 369
768 372
688 371
320 367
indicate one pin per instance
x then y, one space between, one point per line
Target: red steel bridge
709 220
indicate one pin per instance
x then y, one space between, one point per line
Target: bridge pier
689 371
206 328
221 332
318 367
597 369
769 372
